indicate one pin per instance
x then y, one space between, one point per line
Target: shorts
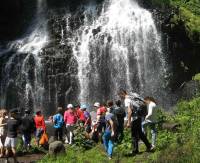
10 142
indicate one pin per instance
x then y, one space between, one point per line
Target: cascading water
119 49
84 55
28 50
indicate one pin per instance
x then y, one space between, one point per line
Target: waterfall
121 48
27 53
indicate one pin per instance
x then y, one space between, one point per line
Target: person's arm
112 127
129 116
4 124
150 109
65 117
43 124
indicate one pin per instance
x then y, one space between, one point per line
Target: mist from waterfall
121 48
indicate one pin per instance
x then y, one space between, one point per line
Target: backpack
138 103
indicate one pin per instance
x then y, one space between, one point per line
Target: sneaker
151 149
109 158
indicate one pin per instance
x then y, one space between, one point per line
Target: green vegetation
196 77
181 145
188 14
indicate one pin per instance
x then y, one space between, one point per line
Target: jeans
136 133
108 143
152 126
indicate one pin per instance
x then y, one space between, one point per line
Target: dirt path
28 158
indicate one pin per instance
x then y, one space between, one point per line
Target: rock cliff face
184 51
37 37
10 11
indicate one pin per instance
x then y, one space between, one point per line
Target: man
58 124
27 128
101 111
120 114
134 121
13 124
108 136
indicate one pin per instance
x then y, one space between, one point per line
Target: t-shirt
58 120
12 127
87 115
152 112
120 114
28 124
101 113
129 103
39 122
70 117
108 117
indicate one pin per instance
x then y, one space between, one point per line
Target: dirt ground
28 158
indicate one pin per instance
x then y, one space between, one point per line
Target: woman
150 118
70 119
40 125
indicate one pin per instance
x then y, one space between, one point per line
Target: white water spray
119 49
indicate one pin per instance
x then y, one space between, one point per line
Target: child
3 114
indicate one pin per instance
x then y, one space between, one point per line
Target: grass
181 145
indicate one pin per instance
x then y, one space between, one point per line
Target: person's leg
60 134
55 134
142 135
105 140
71 128
153 133
13 148
110 148
1 147
67 134
134 135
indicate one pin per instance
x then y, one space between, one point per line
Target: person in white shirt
151 118
134 122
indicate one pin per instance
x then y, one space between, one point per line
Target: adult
134 121
13 124
120 114
70 119
109 134
58 121
101 111
87 118
151 118
40 125
3 123
27 128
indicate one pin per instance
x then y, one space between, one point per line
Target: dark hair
150 99
118 103
109 103
122 92
60 110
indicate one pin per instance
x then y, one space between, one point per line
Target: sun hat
97 104
70 106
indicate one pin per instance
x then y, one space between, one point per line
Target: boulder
56 147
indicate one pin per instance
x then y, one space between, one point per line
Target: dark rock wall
183 53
